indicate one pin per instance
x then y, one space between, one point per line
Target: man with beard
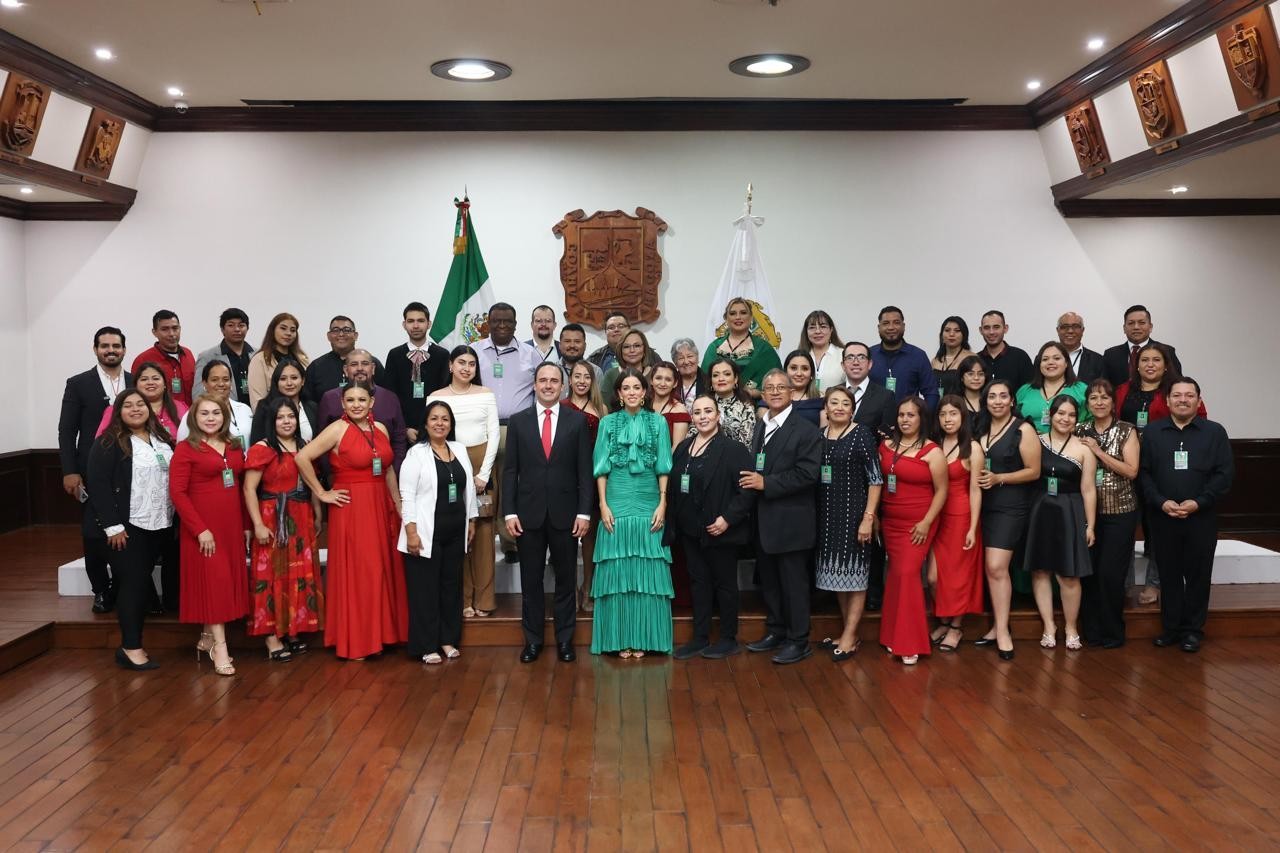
1002 360
573 346
359 367
902 369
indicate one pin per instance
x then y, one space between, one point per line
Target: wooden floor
1137 748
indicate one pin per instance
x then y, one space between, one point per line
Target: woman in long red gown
915 489
955 564
204 483
364 584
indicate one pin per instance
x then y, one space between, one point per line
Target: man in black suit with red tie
86 397
1120 359
546 501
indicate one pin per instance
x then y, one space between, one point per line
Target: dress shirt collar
110 387
554 409
777 421
425 348
1133 346
859 389
512 346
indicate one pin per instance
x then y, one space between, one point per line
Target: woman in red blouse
284 560
204 482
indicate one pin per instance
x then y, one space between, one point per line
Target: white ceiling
1246 171
221 51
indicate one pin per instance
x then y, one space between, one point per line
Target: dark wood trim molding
75 211
11 208
1120 208
42 174
1223 136
597 115
73 81
1184 26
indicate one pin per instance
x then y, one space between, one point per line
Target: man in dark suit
416 369
875 407
787 452
1118 361
86 397
546 501
1086 363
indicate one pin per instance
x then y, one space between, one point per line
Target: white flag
744 276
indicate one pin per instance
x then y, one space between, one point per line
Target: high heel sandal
295 645
222 668
204 644
281 654
1073 642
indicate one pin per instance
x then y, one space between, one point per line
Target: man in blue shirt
897 365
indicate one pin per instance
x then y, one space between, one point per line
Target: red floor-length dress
904 626
213 589
960 572
364 585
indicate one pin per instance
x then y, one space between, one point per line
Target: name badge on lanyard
1180 459
453 491
1142 419
1052 483
1044 418
497 370
684 484
891 384
891 483
986 463
228 478
377 466
244 385
1097 477
760 461
160 461
419 390
175 385
826 475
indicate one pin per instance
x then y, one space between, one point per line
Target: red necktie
1133 358
546 432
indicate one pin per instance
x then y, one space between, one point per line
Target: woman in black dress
1060 526
1012 453
972 382
708 515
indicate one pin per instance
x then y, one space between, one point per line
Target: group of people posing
911 484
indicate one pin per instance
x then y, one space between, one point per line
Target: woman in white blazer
439 510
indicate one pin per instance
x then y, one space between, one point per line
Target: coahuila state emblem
610 263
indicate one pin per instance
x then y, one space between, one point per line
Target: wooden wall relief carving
1158 106
610 263
1086 138
22 107
100 143
1252 54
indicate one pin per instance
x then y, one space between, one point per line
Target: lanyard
826 447
695 451
1061 388
367 436
947 453
950 365
992 441
919 442
733 348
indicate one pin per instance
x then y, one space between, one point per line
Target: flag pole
748 198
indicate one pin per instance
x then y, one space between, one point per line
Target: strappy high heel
204 644
222 668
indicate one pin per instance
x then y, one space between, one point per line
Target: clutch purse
484 503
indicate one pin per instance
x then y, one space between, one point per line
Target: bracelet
868 515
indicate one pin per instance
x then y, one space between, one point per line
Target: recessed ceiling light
174 92
11 4
1095 44
1033 84
104 53
769 65
25 190
1178 190
471 70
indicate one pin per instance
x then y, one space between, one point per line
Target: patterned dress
283 575
854 464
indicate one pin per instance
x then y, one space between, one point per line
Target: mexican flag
463 314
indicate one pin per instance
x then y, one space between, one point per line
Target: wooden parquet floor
1134 749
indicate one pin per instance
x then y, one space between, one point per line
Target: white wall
15 418
319 224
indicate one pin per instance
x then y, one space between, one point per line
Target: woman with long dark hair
663 378
806 399
585 396
953 349
152 383
819 338
287 381
972 379
279 342
127 480
955 563
737 411
1053 376
284 559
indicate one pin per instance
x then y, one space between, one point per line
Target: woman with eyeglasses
819 338
953 348
972 376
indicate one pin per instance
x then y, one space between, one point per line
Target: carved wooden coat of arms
610 263
21 110
1248 64
1086 137
1157 103
100 143
1251 52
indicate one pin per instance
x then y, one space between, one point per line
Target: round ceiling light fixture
471 70
769 65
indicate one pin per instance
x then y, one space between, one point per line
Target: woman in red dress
364 585
955 564
915 489
665 382
284 561
584 395
204 482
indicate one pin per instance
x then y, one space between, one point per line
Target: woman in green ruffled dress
632 584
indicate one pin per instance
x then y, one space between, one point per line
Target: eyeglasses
342 330
614 327
856 357
774 389
1071 327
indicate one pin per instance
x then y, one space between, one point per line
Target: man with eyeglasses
616 326
326 372
902 368
875 408
543 320
1086 363
1002 360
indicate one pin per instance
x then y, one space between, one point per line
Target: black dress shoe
565 652
102 602
1190 643
530 653
793 653
983 642
691 649
1166 640
1005 654
767 643
122 661
722 648
1112 644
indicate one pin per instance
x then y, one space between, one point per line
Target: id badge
826 475
175 385
419 390
497 370
1044 418
891 384
986 463
1142 419
1053 486
892 483
1097 477
228 478
453 487
1180 460
941 391
377 466
244 385
164 466
760 461
684 484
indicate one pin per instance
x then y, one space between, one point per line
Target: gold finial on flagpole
748 198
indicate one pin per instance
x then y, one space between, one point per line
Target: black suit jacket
540 490
83 403
878 409
398 378
1116 362
109 481
786 514
716 494
1092 366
